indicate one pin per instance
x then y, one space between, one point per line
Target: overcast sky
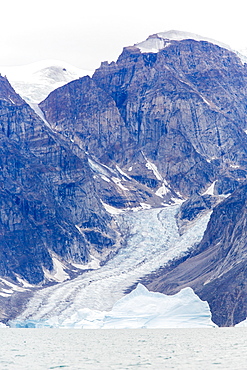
86 32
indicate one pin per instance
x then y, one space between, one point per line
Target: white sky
86 32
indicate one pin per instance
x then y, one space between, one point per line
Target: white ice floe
138 309
153 239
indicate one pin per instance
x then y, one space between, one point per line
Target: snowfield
35 81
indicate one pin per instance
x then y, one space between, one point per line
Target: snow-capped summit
36 80
160 40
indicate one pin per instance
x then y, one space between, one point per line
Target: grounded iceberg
138 309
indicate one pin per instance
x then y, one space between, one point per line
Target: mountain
183 108
217 268
35 81
138 170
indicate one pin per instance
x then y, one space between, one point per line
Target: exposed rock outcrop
216 268
47 195
152 128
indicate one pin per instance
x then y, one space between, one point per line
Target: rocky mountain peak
163 125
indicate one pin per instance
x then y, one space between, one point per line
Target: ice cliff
138 309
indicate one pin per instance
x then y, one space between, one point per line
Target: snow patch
242 324
94 264
118 183
112 210
98 168
177 200
151 166
210 190
123 173
3 326
105 178
13 286
145 206
163 190
58 274
5 295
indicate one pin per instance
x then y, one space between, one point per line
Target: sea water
103 349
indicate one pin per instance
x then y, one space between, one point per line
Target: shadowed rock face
52 193
46 195
184 108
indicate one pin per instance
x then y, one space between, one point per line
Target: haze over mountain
156 137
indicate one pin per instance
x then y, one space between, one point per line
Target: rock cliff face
47 197
149 130
184 108
216 268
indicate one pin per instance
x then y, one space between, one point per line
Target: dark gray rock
216 268
47 193
176 117
184 108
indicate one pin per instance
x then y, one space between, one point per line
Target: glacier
138 309
152 240
34 81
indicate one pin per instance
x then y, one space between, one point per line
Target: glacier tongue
139 309
152 240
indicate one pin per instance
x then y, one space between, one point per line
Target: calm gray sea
224 348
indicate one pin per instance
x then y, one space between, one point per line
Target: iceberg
138 309
3 326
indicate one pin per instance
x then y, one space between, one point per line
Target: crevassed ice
139 309
152 240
